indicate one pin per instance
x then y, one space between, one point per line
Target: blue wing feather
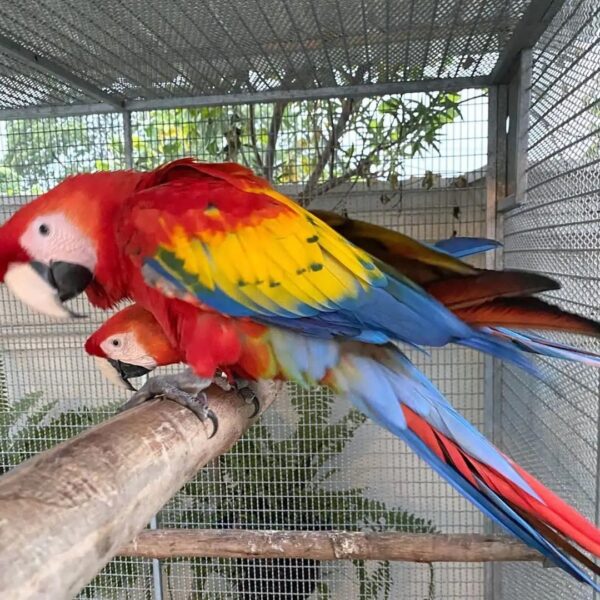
460 247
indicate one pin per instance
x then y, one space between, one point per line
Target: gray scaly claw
250 397
184 388
198 404
242 387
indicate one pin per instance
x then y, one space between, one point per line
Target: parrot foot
248 395
242 387
185 388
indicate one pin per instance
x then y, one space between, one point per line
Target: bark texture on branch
67 511
328 545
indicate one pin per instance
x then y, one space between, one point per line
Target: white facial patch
51 238
126 348
32 289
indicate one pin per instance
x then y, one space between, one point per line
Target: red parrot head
52 249
130 344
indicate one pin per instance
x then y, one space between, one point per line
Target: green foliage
285 484
21 432
317 143
43 151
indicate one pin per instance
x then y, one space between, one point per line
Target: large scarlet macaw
241 278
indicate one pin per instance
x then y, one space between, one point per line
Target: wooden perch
67 511
328 545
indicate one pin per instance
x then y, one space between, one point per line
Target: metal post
508 123
157 576
519 95
127 140
496 190
518 111
157 567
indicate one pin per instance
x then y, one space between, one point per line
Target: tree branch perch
66 512
327 545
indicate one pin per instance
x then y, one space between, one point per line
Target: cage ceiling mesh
156 49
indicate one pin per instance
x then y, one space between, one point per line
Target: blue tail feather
545 347
378 391
483 341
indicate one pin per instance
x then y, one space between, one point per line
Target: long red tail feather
550 509
526 313
462 292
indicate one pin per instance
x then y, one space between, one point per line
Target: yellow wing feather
283 261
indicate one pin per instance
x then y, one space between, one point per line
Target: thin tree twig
253 140
327 186
348 107
278 112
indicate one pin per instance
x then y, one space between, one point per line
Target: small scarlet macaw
241 278
131 339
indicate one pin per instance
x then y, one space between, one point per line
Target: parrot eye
115 342
44 229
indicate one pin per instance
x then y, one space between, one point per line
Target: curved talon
198 404
210 415
256 404
248 396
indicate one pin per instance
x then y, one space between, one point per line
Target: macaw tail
388 388
500 318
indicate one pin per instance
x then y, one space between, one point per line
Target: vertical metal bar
157 575
597 498
157 567
157 579
491 174
490 574
495 190
519 96
127 140
501 136
523 85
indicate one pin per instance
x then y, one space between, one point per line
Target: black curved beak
68 279
126 370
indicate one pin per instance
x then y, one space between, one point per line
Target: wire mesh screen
160 49
552 430
311 463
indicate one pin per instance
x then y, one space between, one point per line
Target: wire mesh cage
310 464
138 50
552 430
255 83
